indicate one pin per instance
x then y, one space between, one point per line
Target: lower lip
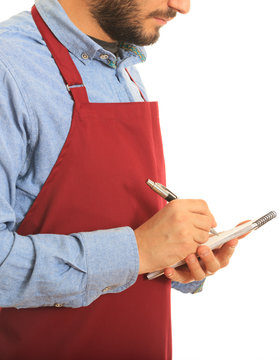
161 21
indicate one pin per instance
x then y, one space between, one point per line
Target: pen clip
161 190
166 190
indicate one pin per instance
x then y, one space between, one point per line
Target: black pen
167 195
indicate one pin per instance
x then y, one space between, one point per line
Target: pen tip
213 231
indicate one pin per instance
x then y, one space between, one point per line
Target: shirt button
106 289
84 56
104 56
58 305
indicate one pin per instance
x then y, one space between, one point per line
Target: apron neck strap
135 84
63 60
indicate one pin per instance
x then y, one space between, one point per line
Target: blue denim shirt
35 116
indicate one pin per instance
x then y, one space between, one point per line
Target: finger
224 254
203 222
200 207
243 222
200 236
180 274
194 267
210 261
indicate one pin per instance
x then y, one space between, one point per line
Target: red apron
110 151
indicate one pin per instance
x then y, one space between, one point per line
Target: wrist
143 267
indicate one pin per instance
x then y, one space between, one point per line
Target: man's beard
122 21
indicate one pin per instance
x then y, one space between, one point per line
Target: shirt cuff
199 286
112 261
193 287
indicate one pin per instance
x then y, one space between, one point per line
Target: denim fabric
35 117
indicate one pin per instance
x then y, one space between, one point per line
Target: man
79 227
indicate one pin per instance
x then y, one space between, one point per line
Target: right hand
173 233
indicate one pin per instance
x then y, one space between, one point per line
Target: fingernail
169 273
204 253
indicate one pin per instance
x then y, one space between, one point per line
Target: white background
215 73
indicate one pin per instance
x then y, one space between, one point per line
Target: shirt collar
78 43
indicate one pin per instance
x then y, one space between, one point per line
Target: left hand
210 261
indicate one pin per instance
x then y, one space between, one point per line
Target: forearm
74 270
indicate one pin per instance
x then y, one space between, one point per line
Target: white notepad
218 240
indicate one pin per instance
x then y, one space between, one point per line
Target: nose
181 6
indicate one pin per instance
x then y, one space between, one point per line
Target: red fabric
98 182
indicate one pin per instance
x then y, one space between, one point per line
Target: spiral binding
264 219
